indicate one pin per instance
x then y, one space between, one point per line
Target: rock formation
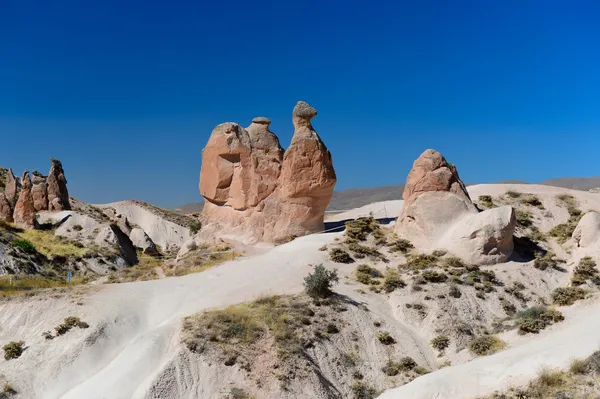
255 190
438 213
47 193
58 195
587 231
11 189
39 192
140 240
6 211
24 213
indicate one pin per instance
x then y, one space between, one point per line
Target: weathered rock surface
39 192
483 238
24 213
140 240
438 213
255 190
587 231
58 195
12 187
6 211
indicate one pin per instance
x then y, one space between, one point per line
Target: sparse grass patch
486 345
564 231
548 260
432 276
361 251
524 218
400 245
566 296
420 261
486 201
50 245
532 200
360 228
23 245
361 390
365 274
13 350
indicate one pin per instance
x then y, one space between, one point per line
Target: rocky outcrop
24 213
12 187
39 192
259 192
6 211
587 231
140 240
438 213
58 195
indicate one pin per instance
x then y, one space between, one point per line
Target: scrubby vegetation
23 245
195 227
13 350
361 390
319 283
486 345
440 343
50 245
365 274
385 338
547 260
537 318
486 201
338 255
69 323
392 280
400 245
564 231
420 261
360 228
584 271
580 381
566 296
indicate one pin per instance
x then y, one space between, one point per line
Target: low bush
433 276
195 226
391 368
532 200
548 260
524 218
400 245
454 291
23 245
486 345
361 390
407 364
361 251
421 261
537 318
13 350
392 280
440 343
453 261
513 194
566 296
385 338
486 201
360 228
585 270
69 323
338 255
319 283
365 274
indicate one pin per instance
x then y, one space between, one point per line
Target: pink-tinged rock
39 192
12 188
6 211
24 213
58 195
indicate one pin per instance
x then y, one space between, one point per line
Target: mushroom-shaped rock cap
262 120
304 111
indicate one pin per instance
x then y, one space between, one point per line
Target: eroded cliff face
256 190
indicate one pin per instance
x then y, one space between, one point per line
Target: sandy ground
133 333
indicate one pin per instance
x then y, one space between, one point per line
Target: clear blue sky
126 93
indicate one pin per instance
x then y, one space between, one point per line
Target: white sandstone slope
133 338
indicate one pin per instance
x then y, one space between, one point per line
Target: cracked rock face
58 195
24 214
256 190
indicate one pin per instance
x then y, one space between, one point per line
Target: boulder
12 188
438 213
6 211
58 195
587 231
482 238
140 240
39 192
256 191
24 212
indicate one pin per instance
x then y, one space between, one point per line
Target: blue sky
126 93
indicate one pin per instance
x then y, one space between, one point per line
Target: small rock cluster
260 192
23 198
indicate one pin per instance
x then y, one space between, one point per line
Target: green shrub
407 364
421 261
360 228
24 245
532 200
392 280
486 345
524 218
563 232
400 245
385 338
454 261
566 296
548 260
508 307
391 368
433 276
486 201
319 283
338 255
77 227
13 350
537 318
440 343
48 335
513 194
360 251
454 291
585 270
360 390
365 274
195 226
421 370
62 329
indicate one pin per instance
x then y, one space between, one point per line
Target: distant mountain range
356 197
